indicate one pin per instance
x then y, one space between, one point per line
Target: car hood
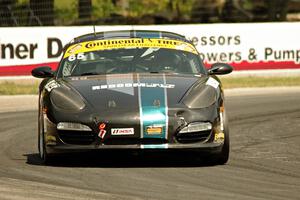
125 91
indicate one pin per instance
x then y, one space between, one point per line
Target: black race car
132 90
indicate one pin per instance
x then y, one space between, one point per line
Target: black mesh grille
77 137
193 137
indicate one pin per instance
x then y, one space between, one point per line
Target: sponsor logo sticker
219 137
154 130
102 133
133 85
98 45
51 85
212 82
122 131
102 130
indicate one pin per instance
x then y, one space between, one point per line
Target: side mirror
220 69
42 72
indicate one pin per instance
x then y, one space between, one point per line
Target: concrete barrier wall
260 46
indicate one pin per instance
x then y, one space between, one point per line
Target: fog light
196 127
68 126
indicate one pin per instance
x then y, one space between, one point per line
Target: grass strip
17 87
243 82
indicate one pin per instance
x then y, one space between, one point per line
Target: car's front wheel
222 157
43 154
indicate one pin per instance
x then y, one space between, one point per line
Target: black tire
223 157
45 157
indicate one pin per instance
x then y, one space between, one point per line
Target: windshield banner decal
99 45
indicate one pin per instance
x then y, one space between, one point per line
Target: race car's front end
153 120
112 134
132 90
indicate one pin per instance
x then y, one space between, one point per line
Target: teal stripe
152 115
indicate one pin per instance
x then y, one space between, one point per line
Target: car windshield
133 59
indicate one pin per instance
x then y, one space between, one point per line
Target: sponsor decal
130 85
219 137
99 45
51 85
212 82
122 131
50 139
102 130
102 126
102 133
154 130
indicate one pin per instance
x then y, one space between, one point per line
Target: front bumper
204 147
57 142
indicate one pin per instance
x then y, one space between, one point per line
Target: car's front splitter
205 147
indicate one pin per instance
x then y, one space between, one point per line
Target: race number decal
78 56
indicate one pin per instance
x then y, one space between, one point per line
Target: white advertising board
245 46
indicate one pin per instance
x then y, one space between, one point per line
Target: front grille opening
133 141
77 137
193 137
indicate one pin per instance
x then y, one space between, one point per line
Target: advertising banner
246 46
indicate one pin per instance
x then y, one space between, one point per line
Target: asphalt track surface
264 161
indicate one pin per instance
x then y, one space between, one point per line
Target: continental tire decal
153 109
98 45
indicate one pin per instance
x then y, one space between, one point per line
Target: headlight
66 99
68 126
196 127
201 97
